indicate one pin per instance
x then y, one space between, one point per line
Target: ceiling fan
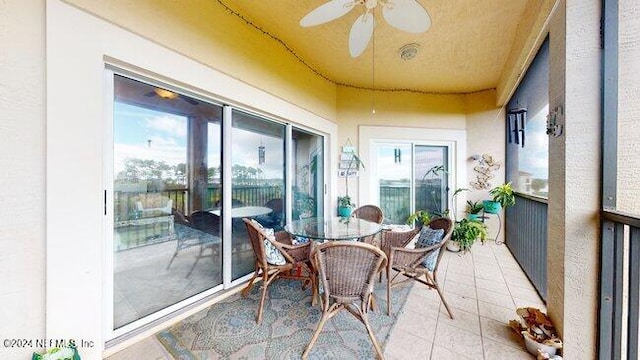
170 95
406 15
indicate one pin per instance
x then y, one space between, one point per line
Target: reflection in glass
394 179
431 178
308 183
257 177
161 153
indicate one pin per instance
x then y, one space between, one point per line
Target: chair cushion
429 237
272 253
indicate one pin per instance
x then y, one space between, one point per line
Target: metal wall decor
485 168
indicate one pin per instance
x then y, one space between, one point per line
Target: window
527 141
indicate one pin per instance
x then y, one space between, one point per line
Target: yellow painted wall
402 109
208 33
476 113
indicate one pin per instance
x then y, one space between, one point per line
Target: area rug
228 330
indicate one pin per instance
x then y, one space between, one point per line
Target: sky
534 157
152 135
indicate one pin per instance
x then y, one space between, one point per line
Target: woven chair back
348 269
445 224
369 212
256 236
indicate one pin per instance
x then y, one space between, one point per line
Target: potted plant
501 197
420 217
473 209
345 206
465 233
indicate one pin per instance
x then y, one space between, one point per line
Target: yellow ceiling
465 50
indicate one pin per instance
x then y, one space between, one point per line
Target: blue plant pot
344 211
473 217
491 207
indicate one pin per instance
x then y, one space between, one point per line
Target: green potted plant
465 233
473 210
501 197
420 217
345 206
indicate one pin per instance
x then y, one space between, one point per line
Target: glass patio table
332 228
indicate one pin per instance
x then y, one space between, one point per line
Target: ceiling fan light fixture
409 51
165 94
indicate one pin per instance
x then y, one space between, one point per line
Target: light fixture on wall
397 155
261 153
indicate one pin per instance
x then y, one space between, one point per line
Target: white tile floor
483 289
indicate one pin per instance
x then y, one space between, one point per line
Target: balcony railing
619 286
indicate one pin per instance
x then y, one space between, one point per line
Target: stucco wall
485 135
574 186
206 32
22 179
628 186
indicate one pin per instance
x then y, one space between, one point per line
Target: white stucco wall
22 178
574 168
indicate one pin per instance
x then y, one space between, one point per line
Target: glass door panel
394 179
257 176
431 178
160 256
308 176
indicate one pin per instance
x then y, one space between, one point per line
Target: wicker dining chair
398 239
371 213
409 263
296 259
347 272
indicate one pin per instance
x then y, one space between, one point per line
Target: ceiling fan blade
360 34
327 12
406 15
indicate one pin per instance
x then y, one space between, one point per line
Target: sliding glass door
308 174
257 182
165 145
177 211
410 177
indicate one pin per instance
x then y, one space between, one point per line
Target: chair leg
172 258
195 263
435 285
314 338
376 346
388 290
247 288
265 284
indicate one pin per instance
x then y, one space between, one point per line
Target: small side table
486 216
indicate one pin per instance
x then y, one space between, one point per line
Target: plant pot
474 217
453 246
491 207
344 211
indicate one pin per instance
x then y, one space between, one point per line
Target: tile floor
483 289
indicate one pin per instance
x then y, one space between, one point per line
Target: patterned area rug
228 330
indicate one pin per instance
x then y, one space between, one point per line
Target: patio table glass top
332 228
